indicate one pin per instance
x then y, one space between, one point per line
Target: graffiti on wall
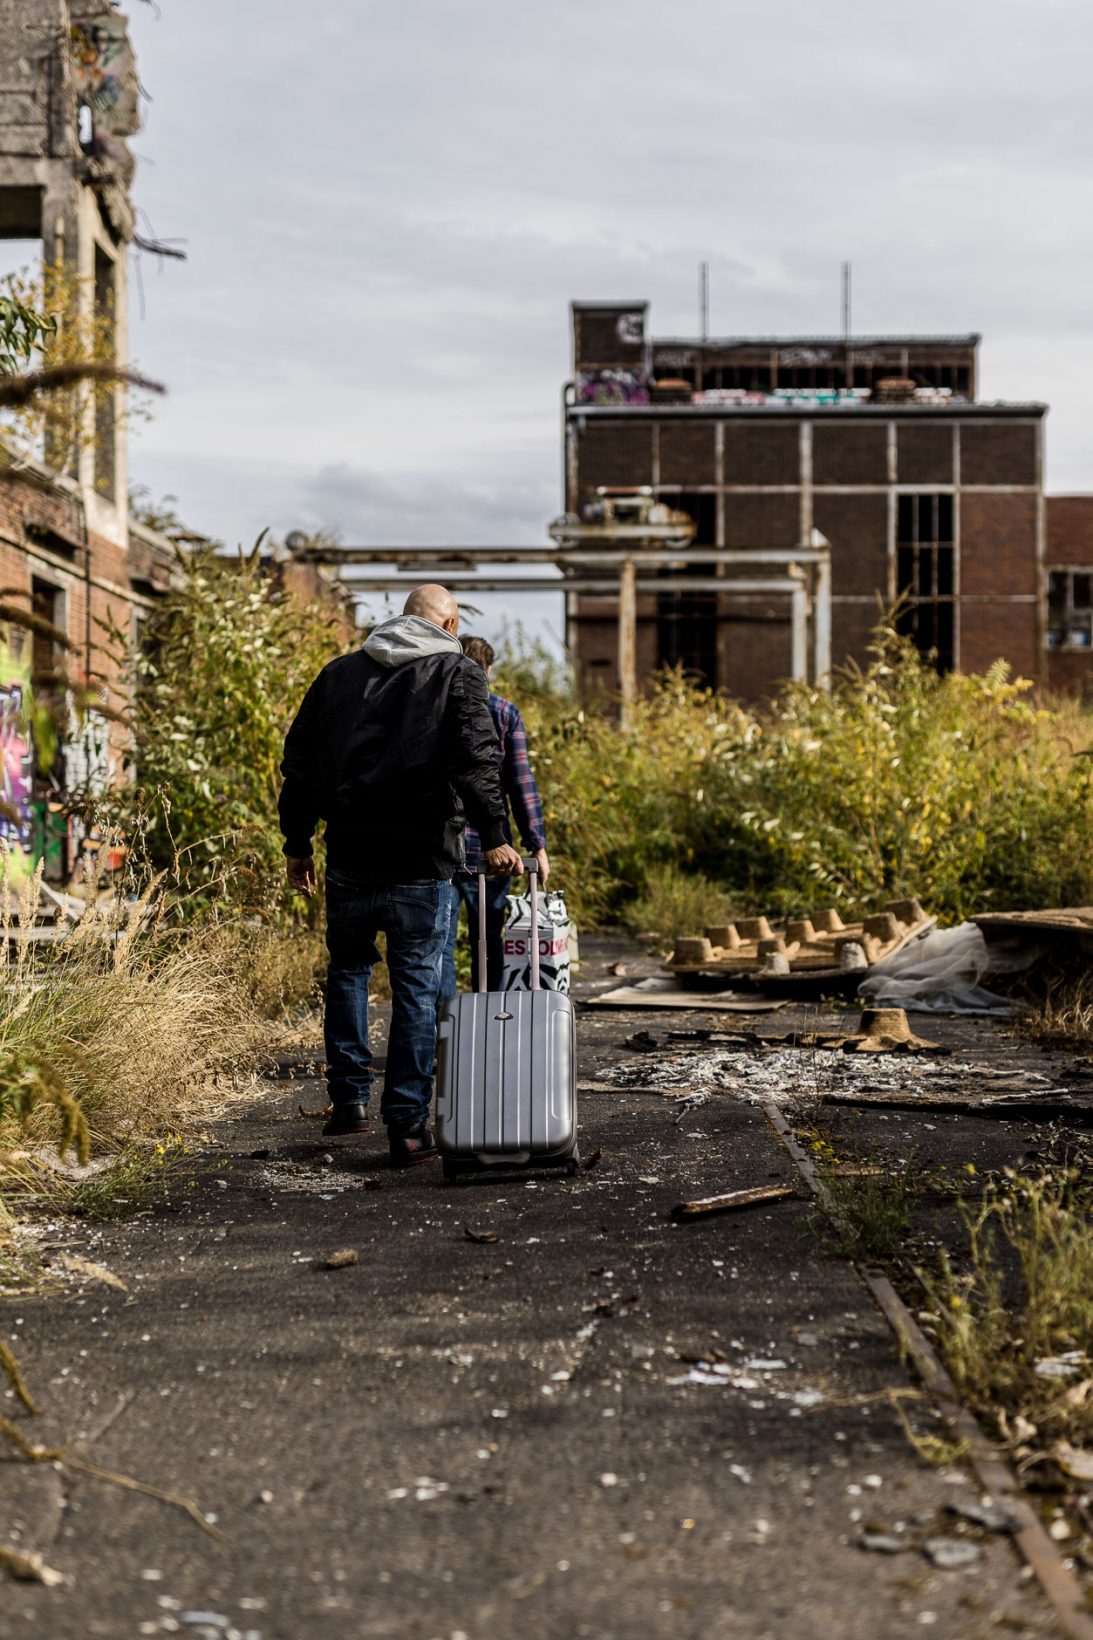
104 75
16 761
612 387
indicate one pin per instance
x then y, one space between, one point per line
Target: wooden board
722 1002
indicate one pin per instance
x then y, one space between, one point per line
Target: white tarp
941 973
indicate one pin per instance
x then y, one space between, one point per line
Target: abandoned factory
828 478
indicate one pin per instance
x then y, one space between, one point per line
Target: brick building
69 551
878 443
1070 593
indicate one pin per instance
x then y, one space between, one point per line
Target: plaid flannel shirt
517 782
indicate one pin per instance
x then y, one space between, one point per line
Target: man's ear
452 625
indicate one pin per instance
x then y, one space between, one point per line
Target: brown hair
477 649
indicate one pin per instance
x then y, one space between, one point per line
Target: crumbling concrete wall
70 99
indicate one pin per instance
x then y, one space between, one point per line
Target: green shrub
226 659
959 789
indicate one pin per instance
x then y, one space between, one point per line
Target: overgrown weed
959 789
868 1203
1063 1018
675 903
1018 1295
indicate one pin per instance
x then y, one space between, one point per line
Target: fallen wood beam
731 1202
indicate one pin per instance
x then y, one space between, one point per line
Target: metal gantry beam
418 558
805 580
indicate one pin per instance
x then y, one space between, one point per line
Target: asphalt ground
488 1439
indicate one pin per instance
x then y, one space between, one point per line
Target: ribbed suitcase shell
506 1077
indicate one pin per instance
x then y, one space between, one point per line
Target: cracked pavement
458 1438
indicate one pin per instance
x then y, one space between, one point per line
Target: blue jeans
464 891
414 917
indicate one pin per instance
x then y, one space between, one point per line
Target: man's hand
544 866
503 861
301 874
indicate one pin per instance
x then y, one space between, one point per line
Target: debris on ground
768 1070
884 1543
595 1159
93 1272
880 1030
29 1568
730 1202
950 1554
484 1236
1075 1463
991 1517
341 1258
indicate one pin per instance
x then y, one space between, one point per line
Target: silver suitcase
507 1070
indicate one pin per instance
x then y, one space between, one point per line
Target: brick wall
1069 530
998 453
844 453
759 454
762 520
754 648
615 453
857 527
924 453
688 453
991 631
762 503
998 545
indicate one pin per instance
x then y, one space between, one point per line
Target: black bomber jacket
394 748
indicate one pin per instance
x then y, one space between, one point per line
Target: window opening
926 575
1070 608
687 621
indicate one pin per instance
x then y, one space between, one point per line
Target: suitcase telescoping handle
531 866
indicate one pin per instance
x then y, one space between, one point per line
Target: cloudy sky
387 208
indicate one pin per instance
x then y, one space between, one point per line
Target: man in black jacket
394 748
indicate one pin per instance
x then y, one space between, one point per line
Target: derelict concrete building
68 547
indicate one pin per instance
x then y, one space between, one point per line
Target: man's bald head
434 603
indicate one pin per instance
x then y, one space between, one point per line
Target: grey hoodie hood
408 638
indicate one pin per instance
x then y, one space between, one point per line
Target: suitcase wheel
573 1166
451 1171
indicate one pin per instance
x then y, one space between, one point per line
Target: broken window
926 575
47 605
1070 608
687 621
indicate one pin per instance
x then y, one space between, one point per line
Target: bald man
394 748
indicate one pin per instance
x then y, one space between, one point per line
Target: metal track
1061 1588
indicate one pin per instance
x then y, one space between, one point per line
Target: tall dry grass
122 1028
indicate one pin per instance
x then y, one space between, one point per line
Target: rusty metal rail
1060 1587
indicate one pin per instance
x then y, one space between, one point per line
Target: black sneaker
346 1119
411 1148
